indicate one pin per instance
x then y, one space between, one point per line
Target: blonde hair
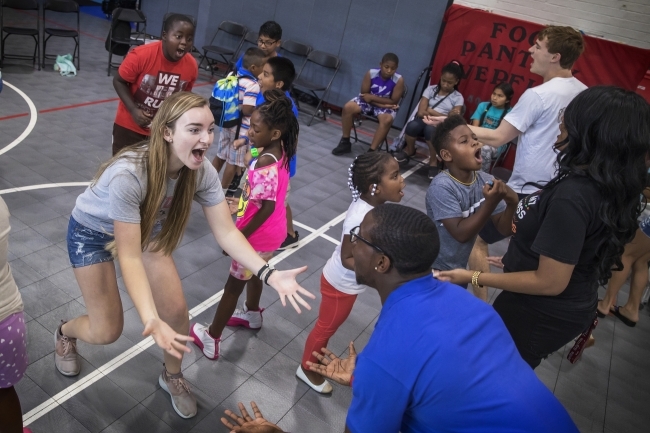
153 156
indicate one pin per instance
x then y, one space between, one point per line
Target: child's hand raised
495 190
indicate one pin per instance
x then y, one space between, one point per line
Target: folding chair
363 116
295 49
224 55
120 44
6 31
62 7
326 61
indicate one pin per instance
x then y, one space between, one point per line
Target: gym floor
54 133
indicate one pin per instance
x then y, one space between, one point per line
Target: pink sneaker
206 342
247 318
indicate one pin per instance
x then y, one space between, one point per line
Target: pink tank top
266 183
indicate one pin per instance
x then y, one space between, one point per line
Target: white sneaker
206 342
247 319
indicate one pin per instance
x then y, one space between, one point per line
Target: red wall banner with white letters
493 48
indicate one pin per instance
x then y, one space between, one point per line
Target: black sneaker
344 147
234 185
290 242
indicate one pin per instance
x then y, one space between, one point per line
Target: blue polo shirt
441 360
293 164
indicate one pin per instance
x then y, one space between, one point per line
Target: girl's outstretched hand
165 337
284 282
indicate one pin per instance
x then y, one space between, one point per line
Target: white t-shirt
339 277
537 115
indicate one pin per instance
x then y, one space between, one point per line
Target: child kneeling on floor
261 217
462 198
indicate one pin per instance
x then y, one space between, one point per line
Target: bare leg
104 319
290 230
254 293
385 122
227 305
433 159
228 175
637 286
478 262
217 163
409 146
347 117
11 418
168 296
639 247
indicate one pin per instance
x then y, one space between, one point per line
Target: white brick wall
626 21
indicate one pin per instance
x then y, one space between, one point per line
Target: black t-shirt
561 223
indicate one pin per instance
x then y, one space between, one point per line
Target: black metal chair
295 49
250 40
325 61
62 7
363 116
34 32
224 54
120 44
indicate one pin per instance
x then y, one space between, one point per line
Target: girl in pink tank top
261 216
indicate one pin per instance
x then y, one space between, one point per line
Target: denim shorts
87 246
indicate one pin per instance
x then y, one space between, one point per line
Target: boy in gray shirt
461 199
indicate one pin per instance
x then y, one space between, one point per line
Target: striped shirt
249 90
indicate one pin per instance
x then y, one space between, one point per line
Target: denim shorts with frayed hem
87 246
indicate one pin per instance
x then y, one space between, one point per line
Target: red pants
335 307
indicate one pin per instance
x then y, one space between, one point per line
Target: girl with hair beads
261 217
374 179
489 115
442 99
136 209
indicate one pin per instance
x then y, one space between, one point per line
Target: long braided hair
366 171
277 113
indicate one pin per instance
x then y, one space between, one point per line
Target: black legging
539 331
417 127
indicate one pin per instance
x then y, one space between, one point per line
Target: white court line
121 359
32 121
324 236
42 186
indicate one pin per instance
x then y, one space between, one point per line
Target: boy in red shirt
148 75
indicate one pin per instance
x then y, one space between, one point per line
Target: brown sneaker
183 401
66 358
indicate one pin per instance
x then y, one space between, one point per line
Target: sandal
616 312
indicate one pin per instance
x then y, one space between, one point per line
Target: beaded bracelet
475 283
254 152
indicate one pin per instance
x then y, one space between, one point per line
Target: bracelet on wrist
268 274
254 152
475 283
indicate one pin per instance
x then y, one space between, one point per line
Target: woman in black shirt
569 236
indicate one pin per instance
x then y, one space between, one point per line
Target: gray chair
61 7
120 44
224 54
324 61
250 40
33 32
363 116
296 49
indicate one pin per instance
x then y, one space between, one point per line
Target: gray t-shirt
454 99
447 198
121 189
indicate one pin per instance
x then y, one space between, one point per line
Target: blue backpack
224 102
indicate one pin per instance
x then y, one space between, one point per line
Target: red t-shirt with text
153 78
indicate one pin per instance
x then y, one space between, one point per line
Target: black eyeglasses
354 235
265 43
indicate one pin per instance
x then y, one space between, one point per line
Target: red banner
494 48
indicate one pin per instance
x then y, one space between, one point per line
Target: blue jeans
87 246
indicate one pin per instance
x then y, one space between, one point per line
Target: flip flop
624 319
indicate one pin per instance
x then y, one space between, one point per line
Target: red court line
359 131
83 104
13 116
